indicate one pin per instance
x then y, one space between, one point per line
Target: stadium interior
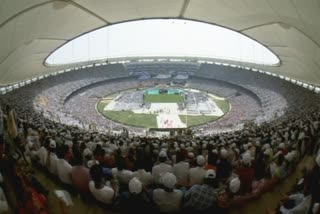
184 133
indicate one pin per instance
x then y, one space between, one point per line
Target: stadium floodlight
187 39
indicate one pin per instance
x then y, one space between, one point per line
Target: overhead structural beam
87 10
184 8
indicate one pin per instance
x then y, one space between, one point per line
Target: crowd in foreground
181 173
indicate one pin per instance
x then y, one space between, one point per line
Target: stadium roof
31 30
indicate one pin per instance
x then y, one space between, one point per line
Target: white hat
281 145
267 146
268 152
234 185
191 155
318 160
91 163
246 158
135 185
210 174
162 154
200 160
52 144
214 151
224 153
168 180
289 157
87 152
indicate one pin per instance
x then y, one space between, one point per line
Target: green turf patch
163 98
222 104
129 117
197 120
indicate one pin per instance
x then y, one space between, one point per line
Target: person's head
223 153
200 161
210 178
52 145
234 185
163 156
135 186
96 174
246 159
168 180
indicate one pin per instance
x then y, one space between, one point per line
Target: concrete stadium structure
31 30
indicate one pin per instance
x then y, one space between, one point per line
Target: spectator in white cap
135 199
196 174
52 158
161 168
235 185
181 169
246 174
228 199
200 198
168 199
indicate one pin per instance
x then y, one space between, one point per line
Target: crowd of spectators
187 173
210 173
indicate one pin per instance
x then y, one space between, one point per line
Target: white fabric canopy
31 30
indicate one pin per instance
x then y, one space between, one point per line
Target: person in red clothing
246 174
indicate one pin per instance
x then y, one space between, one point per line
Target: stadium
159 106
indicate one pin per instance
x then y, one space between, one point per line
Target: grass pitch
163 98
197 120
128 117
150 120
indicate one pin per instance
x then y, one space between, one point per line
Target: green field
222 104
163 98
128 117
197 120
150 120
